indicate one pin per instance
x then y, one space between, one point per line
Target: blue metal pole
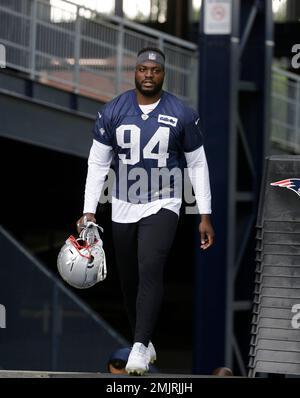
211 266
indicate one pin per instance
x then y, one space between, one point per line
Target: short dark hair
117 364
118 358
158 50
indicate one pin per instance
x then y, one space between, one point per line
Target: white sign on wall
2 56
2 316
217 17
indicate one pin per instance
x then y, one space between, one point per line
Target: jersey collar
155 111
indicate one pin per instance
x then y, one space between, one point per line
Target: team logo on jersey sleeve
172 121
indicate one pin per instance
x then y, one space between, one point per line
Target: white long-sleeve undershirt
199 176
99 162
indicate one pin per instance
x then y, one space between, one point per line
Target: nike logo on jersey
167 120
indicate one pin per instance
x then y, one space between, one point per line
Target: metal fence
77 49
286 110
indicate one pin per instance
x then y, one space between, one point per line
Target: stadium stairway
47 328
45 116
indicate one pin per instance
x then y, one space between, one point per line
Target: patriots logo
291 183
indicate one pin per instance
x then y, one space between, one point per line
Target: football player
146 131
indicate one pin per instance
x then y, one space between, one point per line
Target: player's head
150 71
118 360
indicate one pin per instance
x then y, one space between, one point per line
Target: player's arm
199 176
99 162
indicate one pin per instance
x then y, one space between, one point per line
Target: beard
149 92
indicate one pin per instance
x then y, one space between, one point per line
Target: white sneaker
137 363
151 353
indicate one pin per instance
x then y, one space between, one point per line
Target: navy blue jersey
148 149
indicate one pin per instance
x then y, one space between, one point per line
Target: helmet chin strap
102 272
90 232
91 235
79 247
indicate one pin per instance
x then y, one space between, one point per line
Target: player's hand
86 217
206 231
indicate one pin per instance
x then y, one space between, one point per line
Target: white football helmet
81 262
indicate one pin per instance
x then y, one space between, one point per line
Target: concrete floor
35 374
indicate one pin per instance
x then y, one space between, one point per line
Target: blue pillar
234 89
210 268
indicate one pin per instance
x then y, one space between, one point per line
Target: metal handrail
51 52
283 72
285 117
139 27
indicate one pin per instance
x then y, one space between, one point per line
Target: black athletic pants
141 251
